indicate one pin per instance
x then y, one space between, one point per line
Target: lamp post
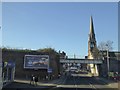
108 67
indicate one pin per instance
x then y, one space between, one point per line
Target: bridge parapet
85 61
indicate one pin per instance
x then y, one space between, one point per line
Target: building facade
114 62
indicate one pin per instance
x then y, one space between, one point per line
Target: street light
108 60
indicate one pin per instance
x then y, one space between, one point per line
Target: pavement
25 83
111 83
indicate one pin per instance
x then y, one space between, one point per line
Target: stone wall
18 57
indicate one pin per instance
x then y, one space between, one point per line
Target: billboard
36 61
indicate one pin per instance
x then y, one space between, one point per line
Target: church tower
91 40
91 48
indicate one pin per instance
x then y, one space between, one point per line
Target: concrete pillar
96 70
91 68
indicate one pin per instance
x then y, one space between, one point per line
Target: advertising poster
36 61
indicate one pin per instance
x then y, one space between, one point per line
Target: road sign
10 64
49 70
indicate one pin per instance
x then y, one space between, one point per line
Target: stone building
114 62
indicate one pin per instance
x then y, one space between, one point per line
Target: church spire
92 40
92 34
91 26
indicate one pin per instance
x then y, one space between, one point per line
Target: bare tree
103 46
109 45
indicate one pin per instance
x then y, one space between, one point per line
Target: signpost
10 64
49 72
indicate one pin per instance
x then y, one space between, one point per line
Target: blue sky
62 26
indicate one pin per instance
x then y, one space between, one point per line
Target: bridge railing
86 61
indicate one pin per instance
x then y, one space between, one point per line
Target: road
70 82
77 81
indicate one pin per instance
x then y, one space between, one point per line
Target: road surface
70 82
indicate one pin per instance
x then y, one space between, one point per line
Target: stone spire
92 49
91 40
91 34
